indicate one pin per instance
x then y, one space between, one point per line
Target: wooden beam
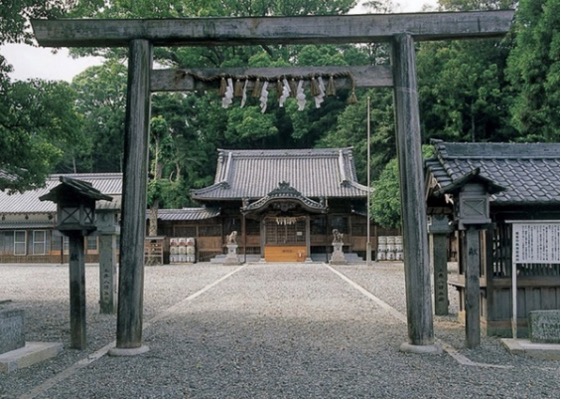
206 79
272 30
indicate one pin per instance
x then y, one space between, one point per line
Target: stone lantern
76 204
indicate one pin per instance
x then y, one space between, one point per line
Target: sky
34 62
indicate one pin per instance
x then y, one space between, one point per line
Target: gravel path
266 331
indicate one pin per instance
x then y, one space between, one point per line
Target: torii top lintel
272 30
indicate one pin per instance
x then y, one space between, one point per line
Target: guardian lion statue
338 236
231 239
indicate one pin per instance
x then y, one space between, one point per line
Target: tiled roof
529 172
28 202
187 214
252 174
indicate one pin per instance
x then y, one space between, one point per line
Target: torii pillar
414 219
136 153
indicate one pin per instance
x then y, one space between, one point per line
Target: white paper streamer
320 97
300 97
264 97
285 93
244 95
228 96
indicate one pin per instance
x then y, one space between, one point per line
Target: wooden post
414 220
471 250
244 235
134 201
77 292
108 273
439 230
441 301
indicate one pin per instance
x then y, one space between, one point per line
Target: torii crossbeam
401 30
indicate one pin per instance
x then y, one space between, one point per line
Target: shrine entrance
285 239
400 30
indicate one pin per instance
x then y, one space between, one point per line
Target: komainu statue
338 236
231 239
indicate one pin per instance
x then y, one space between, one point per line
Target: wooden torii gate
401 30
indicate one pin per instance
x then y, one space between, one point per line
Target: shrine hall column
414 219
134 197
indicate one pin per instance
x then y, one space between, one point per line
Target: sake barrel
381 246
174 250
390 246
381 255
190 241
399 256
390 256
190 249
173 242
398 244
182 249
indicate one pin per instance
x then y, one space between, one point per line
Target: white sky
33 62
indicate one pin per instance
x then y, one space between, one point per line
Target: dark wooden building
529 174
283 204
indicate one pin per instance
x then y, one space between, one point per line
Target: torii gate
401 30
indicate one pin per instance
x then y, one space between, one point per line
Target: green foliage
101 92
38 122
385 200
463 96
533 70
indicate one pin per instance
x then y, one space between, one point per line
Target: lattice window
20 243
39 242
285 231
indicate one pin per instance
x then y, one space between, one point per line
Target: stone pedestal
337 255
231 257
12 334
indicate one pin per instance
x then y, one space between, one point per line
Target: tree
385 199
533 70
37 118
101 92
38 122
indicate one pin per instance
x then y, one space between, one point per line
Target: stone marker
11 330
543 326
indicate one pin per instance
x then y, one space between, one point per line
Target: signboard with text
535 242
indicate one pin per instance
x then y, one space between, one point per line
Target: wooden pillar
244 233
308 242
472 258
439 247
439 230
134 201
108 273
77 292
414 219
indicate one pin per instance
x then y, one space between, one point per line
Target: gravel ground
266 331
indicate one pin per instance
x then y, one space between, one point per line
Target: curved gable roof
252 174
